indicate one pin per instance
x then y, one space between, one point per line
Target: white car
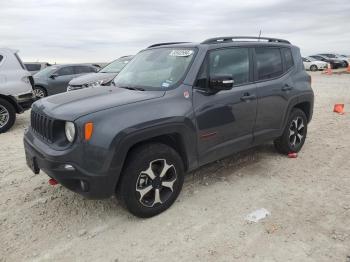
16 88
313 64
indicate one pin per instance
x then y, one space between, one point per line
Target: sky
64 31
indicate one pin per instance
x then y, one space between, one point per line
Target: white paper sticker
181 52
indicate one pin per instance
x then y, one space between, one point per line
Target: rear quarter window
288 58
269 62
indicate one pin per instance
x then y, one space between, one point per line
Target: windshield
116 66
45 71
156 69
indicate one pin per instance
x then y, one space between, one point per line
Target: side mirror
53 76
221 82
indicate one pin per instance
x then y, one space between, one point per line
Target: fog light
69 167
84 186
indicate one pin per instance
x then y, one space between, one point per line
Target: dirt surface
308 198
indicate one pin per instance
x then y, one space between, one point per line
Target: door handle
287 87
247 97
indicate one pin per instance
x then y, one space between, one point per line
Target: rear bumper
76 179
24 102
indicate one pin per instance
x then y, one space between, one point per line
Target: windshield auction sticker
181 52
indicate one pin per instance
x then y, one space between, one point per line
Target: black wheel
151 180
39 92
345 63
313 68
294 135
7 115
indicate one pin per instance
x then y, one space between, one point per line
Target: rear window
33 67
269 62
288 58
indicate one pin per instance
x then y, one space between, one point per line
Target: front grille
42 125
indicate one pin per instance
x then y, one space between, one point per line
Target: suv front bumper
69 175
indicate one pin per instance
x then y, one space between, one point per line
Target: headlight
70 131
98 83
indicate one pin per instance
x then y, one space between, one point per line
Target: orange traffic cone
329 69
339 108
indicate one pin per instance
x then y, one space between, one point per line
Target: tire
39 92
294 135
138 191
7 115
313 68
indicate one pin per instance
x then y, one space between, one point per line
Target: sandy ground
308 197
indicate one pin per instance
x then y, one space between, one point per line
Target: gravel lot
308 198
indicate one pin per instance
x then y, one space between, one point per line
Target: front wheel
152 179
294 135
7 115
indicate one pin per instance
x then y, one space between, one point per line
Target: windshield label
181 52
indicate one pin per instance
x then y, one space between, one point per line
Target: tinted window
83 69
288 58
269 62
33 67
65 71
233 61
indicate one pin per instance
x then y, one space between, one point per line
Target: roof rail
168 43
217 40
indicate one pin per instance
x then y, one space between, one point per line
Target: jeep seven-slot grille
42 125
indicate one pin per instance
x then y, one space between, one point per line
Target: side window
230 61
83 69
202 78
269 62
68 70
288 58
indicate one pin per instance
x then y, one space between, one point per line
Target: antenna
259 35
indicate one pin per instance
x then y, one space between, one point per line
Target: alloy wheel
155 185
4 116
39 93
296 132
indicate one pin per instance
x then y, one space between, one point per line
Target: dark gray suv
173 108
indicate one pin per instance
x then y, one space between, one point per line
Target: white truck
16 88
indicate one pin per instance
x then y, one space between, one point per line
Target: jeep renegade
173 108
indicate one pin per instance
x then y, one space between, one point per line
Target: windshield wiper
132 88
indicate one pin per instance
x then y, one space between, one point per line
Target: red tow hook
53 182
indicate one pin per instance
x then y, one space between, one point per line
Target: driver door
225 120
59 83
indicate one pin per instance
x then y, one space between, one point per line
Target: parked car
54 79
335 63
313 64
345 60
35 67
172 109
16 86
103 77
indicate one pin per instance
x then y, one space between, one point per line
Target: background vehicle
314 65
15 88
173 108
54 79
35 67
335 63
345 60
103 77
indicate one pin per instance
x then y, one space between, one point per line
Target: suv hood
72 105
93 77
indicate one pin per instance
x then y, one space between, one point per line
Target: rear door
275 87
225 120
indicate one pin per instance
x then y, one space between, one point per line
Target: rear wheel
152 179
313 68
39 92
294 135
7 115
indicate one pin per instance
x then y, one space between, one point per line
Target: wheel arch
13 102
